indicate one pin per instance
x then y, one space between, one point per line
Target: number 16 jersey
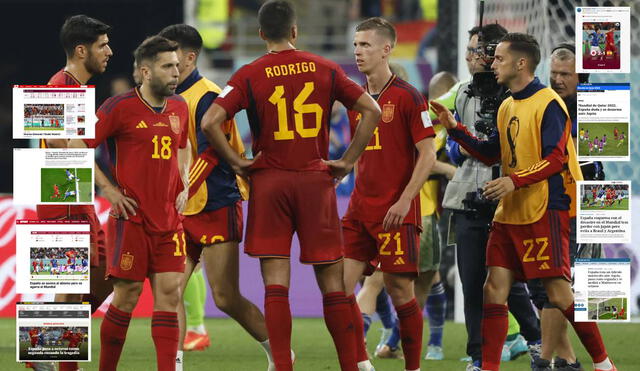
143 144
288 97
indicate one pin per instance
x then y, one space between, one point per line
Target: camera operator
472 220
564 81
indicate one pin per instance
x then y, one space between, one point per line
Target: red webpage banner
8 297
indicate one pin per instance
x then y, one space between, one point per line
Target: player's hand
181 201
243 166
444 115
396 214
498 188
121 205
338 168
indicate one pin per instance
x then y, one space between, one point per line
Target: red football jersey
62 77
609 36
288 97
143 148
386 165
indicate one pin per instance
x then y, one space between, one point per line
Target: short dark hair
491 33
187 37
524 44
151 47
381 26
276 18
81 30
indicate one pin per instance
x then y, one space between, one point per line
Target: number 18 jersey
143 148
288 97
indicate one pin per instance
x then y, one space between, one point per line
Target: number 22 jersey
288 97
143 148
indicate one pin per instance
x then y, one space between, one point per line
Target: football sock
394 338
589 335
358 326
436 311
339 321
277 315
267 349
68 366
604 365
179 361
411 323
195 295
164 331
113 332
366 320
384 310
514 327
494 331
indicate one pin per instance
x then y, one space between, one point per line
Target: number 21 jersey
143 148
288 97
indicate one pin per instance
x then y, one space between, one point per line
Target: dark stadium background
30 29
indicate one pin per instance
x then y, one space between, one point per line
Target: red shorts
397 250
537 250
282 202
97 239
211 227
133 254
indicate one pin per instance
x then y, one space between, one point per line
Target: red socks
164 331
358 327
277 315
338 318
113 333
589 335
68 366
494 332
411 324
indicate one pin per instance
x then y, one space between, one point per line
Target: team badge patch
175 123
387 112
126 261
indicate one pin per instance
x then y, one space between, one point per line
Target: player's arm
121 205
554 133
211 126
56 143
184 163
487 151
370 112
424 164
443 168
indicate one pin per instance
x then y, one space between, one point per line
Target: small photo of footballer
601 140
59 261
601 45
604 197
608 309
44 117
68 185
53 343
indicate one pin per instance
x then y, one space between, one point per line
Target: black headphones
583 78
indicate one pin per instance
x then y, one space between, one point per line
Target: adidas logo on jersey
141 125
399 261
543 266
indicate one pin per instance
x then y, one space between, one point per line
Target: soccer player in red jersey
86 45
610 44
56 192
33 336
149 241
383 221
213 214
288 95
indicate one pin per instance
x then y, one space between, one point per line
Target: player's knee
225 299
493 292
126 297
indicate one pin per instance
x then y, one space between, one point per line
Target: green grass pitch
598 130
232 349
51 176
624 205
40 128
